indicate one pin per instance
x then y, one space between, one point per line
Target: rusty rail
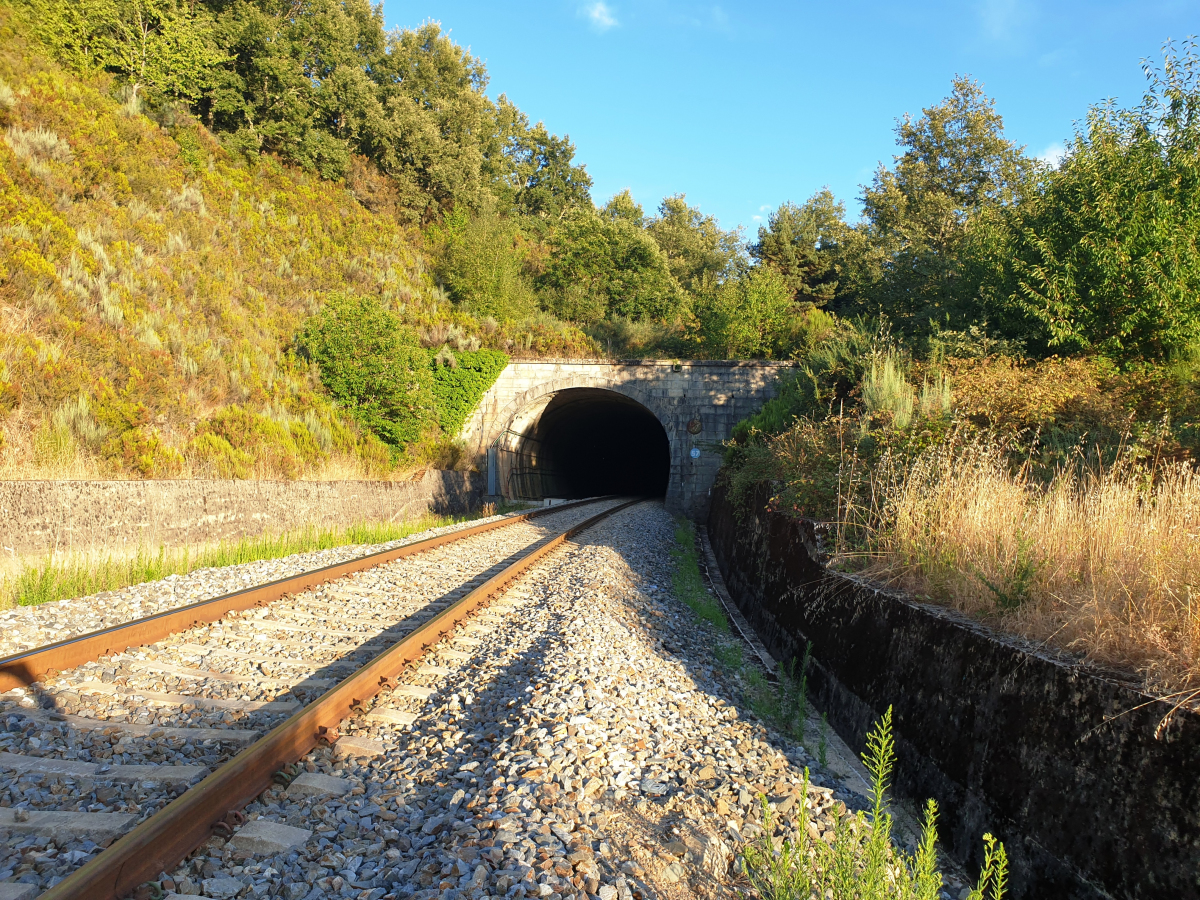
161 842
24 668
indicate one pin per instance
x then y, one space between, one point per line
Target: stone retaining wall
39 516
1069 767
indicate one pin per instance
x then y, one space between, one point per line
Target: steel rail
24 668
165 839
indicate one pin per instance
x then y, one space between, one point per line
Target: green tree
536 173
606 264
803 244
164 46
955 162
750 316
372 366
699 254
481 260
1104 258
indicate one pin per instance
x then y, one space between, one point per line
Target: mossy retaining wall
1071 768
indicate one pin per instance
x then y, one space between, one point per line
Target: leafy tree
606 264
802 244
373 366
1104 257
622 207
750 316
165 46
536 173
955 162
699 254
481 260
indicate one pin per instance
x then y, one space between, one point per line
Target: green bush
373 366
458 388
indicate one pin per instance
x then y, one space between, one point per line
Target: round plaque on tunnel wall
695 453
695 426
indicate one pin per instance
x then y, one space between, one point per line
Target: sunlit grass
59 577
1103 563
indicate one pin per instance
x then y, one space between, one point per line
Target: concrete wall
1092 795
718 393
39 516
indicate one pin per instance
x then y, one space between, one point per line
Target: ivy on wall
457 389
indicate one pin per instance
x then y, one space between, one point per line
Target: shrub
885 390
372 365
143 451
283 448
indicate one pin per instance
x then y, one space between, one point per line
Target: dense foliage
372 366
195 189
459 383
153 284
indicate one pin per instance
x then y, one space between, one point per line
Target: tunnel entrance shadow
596 442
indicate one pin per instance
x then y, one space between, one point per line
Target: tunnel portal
590 441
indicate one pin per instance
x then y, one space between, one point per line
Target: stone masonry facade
715 393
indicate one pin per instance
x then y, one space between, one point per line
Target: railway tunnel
583 442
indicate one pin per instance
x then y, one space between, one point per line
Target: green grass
59 578
860 862
687 581
729 655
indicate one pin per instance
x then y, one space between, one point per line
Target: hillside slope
151 286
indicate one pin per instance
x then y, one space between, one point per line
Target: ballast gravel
580 743
575 740
124 735
26 627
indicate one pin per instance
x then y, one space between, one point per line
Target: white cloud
600 15
1053 155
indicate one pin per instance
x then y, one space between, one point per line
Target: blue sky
743 105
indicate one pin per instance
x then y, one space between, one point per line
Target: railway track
128 748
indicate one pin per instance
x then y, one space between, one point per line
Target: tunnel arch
581 437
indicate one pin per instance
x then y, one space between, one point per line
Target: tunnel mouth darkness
590 441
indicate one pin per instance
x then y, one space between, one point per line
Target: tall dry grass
1101 562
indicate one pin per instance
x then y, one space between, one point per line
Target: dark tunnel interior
594 442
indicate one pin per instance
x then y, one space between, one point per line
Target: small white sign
695 453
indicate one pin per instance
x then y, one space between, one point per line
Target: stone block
264 838
60 825
316 784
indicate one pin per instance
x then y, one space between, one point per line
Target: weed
793 695
687 581
785 704
1017 577
860 863
729 655
886 390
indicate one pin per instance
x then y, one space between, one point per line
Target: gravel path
579 744
111 742
576 740
26 627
